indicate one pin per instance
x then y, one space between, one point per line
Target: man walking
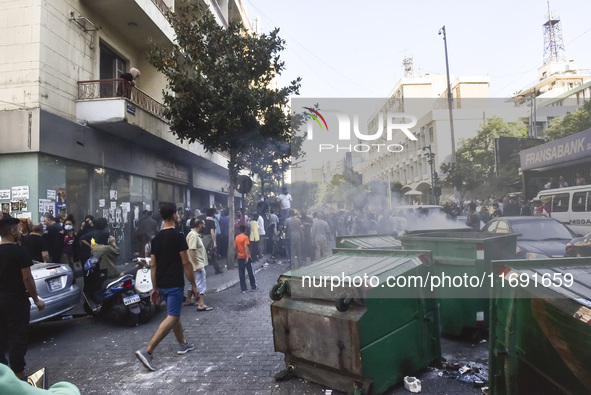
15 281
169 259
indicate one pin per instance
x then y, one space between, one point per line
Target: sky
344 48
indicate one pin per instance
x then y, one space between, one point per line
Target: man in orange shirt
244 260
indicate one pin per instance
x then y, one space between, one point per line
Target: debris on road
412 384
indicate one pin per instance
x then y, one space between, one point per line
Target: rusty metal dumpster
463 254
357 336
379 242
540 333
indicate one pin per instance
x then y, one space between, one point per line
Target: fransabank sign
565 149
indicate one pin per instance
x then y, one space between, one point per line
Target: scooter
143 286
116 300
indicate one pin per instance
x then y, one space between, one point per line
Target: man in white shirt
285 203
198 258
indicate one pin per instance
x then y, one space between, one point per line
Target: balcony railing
161 6
118 87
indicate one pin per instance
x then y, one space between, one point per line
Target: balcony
140 22
118 88
114 107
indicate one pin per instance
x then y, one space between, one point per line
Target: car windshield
541 230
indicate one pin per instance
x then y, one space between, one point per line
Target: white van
571 205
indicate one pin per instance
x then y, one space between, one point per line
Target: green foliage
572 123
219 87
475 158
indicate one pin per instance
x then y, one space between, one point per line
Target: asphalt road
234 351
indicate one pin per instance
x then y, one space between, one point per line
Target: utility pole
449 99
449 104
431 162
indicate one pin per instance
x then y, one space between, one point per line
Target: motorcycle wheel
132 319
147 312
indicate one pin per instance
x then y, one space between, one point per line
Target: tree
572 123
219 91
475 158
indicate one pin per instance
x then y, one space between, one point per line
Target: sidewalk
229 278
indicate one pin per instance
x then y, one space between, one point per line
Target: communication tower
553 43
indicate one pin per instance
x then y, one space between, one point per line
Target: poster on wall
61 195
60 207
6 208
20 193
101 202
111 217
27 215
118 218
113 194
23 205
4 194
46 206
126 208
113 205
106 213
51 194
15 206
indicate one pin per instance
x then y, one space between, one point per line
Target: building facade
71 141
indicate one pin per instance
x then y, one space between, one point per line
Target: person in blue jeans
169 261
244 260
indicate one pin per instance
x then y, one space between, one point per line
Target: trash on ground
412 384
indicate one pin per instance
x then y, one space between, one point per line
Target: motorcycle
115 300
143 286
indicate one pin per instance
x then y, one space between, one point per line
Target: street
233 350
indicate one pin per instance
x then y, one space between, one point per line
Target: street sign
243 184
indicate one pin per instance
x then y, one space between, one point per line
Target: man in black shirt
169 260
36 245
15 281
54 237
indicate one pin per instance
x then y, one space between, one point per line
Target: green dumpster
356 337
379 242
460 254
540 336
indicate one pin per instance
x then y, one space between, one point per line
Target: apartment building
426 98
70 140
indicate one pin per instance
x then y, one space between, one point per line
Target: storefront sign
562 150
173 171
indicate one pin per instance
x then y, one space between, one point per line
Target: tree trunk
233 173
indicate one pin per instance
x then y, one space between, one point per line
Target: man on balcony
127 85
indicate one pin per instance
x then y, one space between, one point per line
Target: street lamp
431 161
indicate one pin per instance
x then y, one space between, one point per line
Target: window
581 202
560 202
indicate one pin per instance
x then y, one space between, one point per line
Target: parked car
580 246
540 237
55 285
